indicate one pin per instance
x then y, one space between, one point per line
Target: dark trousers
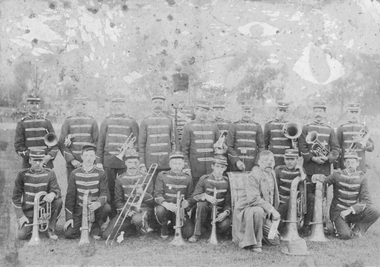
101 215
111 177
362 222
25 231
137 222
203 219
310 189
163 216
69 170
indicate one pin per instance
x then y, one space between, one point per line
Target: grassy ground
152 251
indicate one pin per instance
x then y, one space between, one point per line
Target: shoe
164 237
193 238
52 235
95 231
356 233
257 250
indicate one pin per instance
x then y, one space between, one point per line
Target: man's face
158 105
218 112
218 169
354 115
290 163
201 113
88 157
319 114
247 114
117 108
36 164
267 163
80 107
351 164
281 113
176 164
132 164
33 106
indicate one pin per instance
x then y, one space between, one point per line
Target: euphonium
316 146
50 139
296 208
87 219
128 144
317 231
292 131
179 218
213 238
41 217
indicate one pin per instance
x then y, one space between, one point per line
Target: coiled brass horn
50 139
317 147
292 131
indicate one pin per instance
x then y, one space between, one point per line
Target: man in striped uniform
203 195
220 116
197 142
156 137
168 184
87 177
114 132
245 141
77 130
285 175
28 183
124 190
274 138
314 162
347 135
30 134
352 210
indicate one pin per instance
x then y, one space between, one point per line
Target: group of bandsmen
112 163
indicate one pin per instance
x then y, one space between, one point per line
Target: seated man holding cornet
35 189
134 206
87 177
351 209
213 192
171 185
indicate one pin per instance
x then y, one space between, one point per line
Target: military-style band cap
131 154
291 153
220 159
351 155
33 98
158 97
219 104
80 98
88 147
282 105
36 153
119 99
319 104
176 155
202 104
353 107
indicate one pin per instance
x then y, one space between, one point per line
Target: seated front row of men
256 209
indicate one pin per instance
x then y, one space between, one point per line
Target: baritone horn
41 217
317 147
179 220
292 131
50 139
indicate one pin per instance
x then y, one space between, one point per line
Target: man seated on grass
204 196
256 208
351 209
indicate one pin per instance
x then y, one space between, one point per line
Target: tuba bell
50 139
292 131
41 217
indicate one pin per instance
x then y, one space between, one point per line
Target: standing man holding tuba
115 132
351 135
274 137
28 184
31 132
87 177
319 148
77 130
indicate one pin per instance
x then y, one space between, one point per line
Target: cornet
41 217
292 131
179 219
213 238
317 147
128 144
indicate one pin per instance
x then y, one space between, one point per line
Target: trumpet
317 147
179 219
213 238
130 203
292 131
220 147
50 139
41 217
128 144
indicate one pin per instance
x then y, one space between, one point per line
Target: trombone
317 147
128 144
130 203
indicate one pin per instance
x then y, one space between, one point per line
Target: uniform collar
216 179
319 123
33 116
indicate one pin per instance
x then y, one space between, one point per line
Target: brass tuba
41 217
317 147
179 219
213 237
292 131
50 139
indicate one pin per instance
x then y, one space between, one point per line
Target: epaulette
49 170
279 167
96 167
23 170
23 118
226 178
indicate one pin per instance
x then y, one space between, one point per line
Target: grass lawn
152 251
